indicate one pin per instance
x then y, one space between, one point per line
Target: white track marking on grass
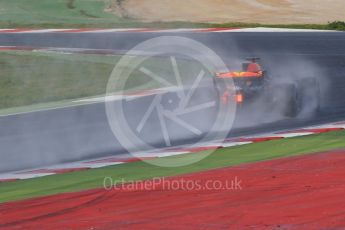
232 144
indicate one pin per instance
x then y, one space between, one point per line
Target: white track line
150 30
122 159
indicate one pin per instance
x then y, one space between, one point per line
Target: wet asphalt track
68 134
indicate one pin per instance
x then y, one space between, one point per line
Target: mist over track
79 132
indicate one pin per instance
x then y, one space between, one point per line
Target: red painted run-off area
305 192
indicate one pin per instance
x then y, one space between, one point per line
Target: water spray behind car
271 89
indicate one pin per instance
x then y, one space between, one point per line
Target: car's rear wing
240 74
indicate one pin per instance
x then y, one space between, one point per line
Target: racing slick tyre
309 90
301 98
291 101
285 99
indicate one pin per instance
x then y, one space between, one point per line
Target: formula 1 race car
253 85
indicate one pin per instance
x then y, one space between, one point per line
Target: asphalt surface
74 133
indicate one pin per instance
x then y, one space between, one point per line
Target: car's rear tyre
300 98
310 92
292 101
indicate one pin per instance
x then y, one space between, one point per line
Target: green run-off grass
77 181
31 78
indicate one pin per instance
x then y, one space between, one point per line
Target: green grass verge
56 13
83 180
69 14
336 25
30 78
93 14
